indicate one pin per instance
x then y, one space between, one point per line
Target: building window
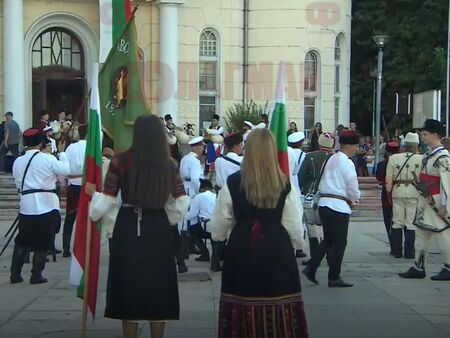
311 85
337 65
57 47
310 112
337 101
208 76
310 72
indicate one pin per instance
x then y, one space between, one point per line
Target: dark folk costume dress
142 277
261 291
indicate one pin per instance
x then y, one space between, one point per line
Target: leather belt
404 182
338 197
187 179
35 191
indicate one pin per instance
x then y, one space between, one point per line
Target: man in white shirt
190 167
35 178
229 163
296 157
200 212
248 126
339 191
75 153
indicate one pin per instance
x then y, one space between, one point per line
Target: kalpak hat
349 137
32 137
232 139
326 140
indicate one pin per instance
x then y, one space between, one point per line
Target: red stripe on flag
283 161
128 10
93 174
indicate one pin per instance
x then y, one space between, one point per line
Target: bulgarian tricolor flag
86 247
278 123
114 15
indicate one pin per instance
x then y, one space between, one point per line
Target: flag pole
87 269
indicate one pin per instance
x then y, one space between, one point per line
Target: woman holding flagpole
261 292
142 278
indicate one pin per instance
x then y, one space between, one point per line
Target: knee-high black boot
410 238
18 259
397 242
39 259
217 252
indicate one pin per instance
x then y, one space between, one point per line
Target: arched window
310 86
208 76
337 76
57 47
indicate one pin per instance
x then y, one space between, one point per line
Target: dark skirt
261 291
142 277
73 197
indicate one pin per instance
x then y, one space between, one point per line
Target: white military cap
261 125
196 141
248 123
296 137
412 138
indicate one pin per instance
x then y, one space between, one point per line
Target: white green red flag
114 15
278 123
92 174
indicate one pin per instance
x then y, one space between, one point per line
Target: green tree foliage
238 113
415 56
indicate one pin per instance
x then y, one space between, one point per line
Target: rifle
10 238
12 226
424 192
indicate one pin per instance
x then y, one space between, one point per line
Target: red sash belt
434 183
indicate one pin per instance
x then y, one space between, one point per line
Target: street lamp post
381 41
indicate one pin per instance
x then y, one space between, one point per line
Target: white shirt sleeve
62 166
101 204
223 219
292 219
352 183
217 131
176 208
194 210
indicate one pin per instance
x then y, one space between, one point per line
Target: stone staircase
369 208
9 199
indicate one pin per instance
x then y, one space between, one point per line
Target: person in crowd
230 163
339 192
339 129
400 137
142 279
370 162
265 119
75 154
316 132
199 216
391 148
432 210
292 128
248 126
369 141
446 143
361 153
259 210
402 169
296 156
213 150
353 126
35 178
48 133
10 141
45 118
308 177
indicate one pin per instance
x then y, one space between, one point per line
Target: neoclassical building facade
198 57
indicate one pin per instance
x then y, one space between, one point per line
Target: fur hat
349 137
32 137
232 139
392 147
434 126
326 140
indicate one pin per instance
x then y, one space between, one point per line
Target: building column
168 58
14 62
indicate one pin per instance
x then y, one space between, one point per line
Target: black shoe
397 255
300 254
306 263
216 269
339 283
16 279
66 254
310 274
182 269
38 279
413 273
442 276
409 255
202 258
